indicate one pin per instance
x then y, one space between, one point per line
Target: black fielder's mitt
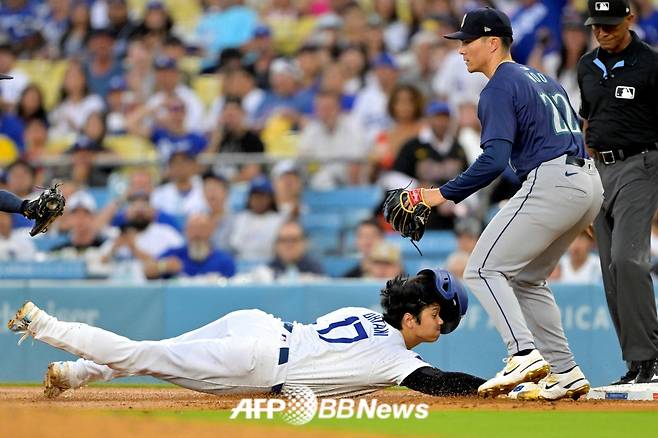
45 209
407 212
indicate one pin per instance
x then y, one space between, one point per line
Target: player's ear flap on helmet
452 294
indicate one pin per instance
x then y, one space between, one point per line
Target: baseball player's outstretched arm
433 381
10 203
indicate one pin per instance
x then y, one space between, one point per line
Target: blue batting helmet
453 297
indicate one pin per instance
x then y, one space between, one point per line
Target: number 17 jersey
350 351
531 111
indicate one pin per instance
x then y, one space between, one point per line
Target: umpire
619 90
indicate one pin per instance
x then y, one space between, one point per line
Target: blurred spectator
288 187
310 66
232 135
140 238
353 26
11 90
183 194
354 64
15 244
19 20
259 53
101 64
196 258
396 31
216 191
75 104
334 140
36 140
231 24
333 79
384 261
405 108
168 84
370 105
30 104
239 83
120 24
12 142
84 238
256 227
375 41
290 256
454 84
140 183
85 170
435 156
285 80
168 133
54 22
456 263
647 20
579 265
421 64
535 27
73 40
156 25
21 180
119 102
139 76
562 64
468 232
368 234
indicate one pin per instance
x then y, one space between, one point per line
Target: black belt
284 353
611 156
575 161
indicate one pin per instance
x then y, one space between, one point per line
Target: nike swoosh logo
569 174
505 373
554 384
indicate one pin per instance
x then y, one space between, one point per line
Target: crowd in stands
254 139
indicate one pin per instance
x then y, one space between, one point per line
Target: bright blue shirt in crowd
167 142
217 262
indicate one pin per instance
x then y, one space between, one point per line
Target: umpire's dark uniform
619 94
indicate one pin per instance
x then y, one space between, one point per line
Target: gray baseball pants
519 249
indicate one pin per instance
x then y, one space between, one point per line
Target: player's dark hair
506 41
406 295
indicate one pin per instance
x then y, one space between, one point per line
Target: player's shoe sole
56 379
24 316
529 368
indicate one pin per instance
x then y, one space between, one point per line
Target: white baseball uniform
350 351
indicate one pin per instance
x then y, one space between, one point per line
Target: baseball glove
407 212
45 209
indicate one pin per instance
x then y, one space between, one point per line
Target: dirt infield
93 412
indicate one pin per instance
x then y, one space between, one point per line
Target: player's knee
471 275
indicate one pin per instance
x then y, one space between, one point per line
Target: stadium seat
322 222
131 147
206 87
45 242
244 266
324 242
48 75
414 264
337 266
57 269
365 197
100 194
237 198
434 244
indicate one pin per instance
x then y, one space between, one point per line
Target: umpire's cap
482 22
3 76
609 12
453 297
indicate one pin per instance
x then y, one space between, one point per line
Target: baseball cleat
57 379
572 384
648 372
25 315
529 368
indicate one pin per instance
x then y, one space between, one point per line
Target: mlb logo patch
486 29
623 92
602 6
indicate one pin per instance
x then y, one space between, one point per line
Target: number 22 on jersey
561 124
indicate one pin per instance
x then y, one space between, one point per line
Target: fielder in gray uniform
528 124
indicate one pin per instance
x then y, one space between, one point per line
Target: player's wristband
416 196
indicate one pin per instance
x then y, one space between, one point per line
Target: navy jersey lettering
531 111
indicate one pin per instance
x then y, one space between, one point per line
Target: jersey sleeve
396 367
497 114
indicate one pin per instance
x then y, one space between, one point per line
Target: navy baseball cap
610 12
437 107
3 76
165 63
482 22
385 60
